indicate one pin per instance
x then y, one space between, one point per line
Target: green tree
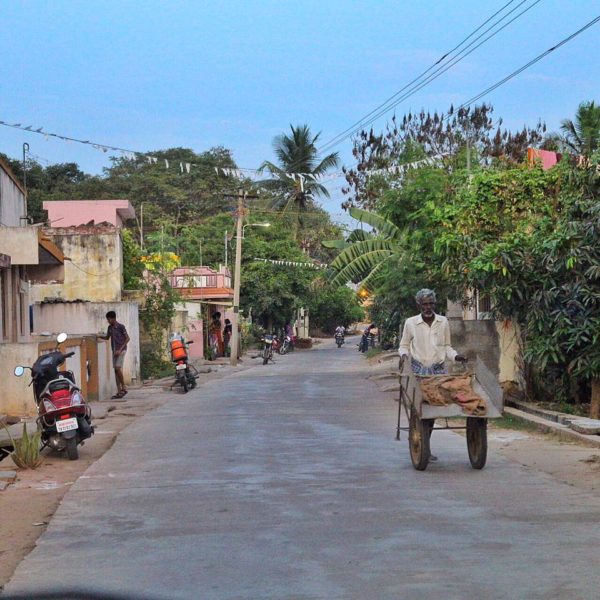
271 292
528 238
582 135
451 139
330 307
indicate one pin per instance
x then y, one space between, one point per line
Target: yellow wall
94 271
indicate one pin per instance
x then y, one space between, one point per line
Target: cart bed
484 383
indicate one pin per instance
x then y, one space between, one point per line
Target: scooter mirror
19 371
61 337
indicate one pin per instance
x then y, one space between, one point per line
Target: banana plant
363 258
358 235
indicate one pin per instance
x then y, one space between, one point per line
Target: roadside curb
562 431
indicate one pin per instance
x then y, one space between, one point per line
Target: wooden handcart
421 416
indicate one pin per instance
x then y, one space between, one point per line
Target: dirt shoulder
28 504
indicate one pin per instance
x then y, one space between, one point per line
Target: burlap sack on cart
453 389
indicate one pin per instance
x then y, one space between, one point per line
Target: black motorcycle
339 339
268 341
64 418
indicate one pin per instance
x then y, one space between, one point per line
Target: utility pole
236 281
142 226
25 151
226 248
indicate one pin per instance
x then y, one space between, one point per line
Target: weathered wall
12 199
16 398
193 331
94 271
493 342
79 318
20 243
96 383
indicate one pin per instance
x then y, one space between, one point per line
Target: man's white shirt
427 344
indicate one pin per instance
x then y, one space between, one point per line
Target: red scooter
64 418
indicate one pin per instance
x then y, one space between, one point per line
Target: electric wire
386 107
530 63
415 85
444 56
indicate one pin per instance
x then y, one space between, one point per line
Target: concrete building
204 291
26 255
89 233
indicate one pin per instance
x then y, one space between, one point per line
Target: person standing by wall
119 339
227 331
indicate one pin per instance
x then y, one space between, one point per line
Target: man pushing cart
427 392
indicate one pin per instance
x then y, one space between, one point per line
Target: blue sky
148 75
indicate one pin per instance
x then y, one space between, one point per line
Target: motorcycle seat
59 384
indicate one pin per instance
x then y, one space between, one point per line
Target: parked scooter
65 420
185 373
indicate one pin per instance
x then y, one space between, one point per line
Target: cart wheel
477 441
418 441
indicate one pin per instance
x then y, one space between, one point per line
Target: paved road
285 482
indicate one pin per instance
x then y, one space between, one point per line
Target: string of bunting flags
238 173
291 263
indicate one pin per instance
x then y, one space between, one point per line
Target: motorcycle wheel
284 349
72 451
184 385
265 356
192 383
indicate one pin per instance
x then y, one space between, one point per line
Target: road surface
285 482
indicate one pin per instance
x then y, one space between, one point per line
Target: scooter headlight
48 406
76 399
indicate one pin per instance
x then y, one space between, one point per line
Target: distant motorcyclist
340 331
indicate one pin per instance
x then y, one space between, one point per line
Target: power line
530 63
393 101
443 57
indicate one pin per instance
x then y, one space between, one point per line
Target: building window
484 306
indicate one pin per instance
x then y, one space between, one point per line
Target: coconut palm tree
582 135
296 176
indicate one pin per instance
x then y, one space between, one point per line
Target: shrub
26 450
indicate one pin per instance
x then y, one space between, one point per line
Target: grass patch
511 422
371 352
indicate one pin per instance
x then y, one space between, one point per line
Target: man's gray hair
425 293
